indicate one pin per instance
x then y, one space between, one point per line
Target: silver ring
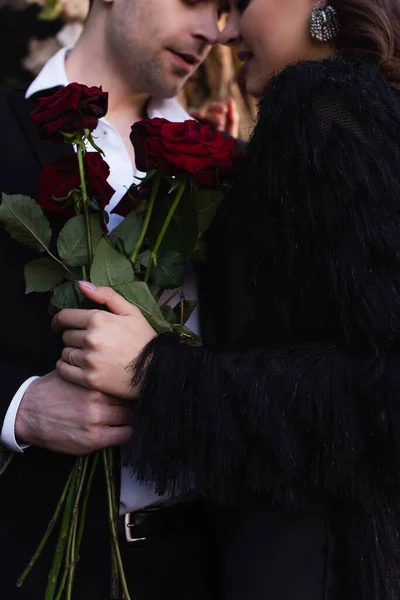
71 358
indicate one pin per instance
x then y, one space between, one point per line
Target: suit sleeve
25 342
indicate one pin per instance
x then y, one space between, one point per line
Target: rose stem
115 595
163 231
81 476
71 564
46 536
182 308
113 528
62 538
168 300
66 570
160 292
114 565
147 218
80 153
85 501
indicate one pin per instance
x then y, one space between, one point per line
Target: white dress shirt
134 495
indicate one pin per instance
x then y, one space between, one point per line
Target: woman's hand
99 345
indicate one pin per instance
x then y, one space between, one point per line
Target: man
141 52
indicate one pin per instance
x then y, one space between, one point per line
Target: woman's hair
371 27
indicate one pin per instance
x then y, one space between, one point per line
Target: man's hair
371 28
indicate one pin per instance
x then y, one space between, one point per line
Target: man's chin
173 88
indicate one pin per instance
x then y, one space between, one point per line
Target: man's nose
207 29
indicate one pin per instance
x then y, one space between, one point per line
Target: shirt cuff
7 436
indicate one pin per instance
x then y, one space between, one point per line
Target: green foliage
187 336
64 296
42 275
182 232
207 203
183 310
24 220
128 232
138 293
169 314
169 271
72 243
110 267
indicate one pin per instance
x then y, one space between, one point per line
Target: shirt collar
54 74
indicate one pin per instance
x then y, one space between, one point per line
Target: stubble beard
157 81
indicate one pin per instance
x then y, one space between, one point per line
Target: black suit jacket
32 483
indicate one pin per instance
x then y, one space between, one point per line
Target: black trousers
176 567
262 554
170 566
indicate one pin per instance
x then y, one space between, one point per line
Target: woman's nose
229 35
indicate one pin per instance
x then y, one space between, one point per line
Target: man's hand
221 115
100 345
63 417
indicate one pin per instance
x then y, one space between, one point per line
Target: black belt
156 521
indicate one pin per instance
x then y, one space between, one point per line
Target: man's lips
186 59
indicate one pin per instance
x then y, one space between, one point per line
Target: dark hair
371 27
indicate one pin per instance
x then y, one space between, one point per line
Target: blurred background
31 31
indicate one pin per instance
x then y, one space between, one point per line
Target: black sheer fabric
295 397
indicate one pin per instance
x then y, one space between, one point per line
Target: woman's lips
245 56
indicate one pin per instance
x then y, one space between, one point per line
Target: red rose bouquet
189 167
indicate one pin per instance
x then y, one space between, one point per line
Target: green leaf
64 296
128 231
143 258
138 293
182 233
200 251
72 243
170 270
110 267
183 316
25 221
207 204
42 275
187 336
169 314
142 261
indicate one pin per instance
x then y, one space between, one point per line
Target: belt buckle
128 527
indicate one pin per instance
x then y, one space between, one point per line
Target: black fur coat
295 397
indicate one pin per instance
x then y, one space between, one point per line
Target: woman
290 411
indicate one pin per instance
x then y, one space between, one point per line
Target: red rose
97 172
72 108
140 133
210 178
58 179
178 148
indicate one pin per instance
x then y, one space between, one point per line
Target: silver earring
324 24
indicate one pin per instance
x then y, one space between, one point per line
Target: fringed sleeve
317 414
269 422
